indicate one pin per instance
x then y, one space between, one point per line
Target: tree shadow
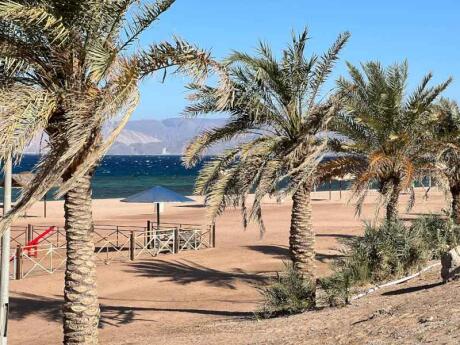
424 214
411 289
192 206
50 309
26 304
343 236
324 258
280 252
186 272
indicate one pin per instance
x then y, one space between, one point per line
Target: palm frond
266 99
36 16
101 146
25 112
324 66
142 19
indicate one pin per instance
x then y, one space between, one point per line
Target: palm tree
67 68
445 150
277 110
384 132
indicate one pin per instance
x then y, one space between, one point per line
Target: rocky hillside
152 137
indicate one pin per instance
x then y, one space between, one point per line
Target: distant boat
164 151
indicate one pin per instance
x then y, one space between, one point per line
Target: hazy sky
426 33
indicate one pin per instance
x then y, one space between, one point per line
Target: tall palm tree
67 68
277 110
384 131
445 150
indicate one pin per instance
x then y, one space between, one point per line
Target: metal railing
112 243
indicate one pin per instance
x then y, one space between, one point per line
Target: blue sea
121 176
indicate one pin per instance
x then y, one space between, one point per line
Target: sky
425 32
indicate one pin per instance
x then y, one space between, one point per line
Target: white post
5 258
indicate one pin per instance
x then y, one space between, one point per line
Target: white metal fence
112 243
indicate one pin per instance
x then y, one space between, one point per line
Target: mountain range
154 137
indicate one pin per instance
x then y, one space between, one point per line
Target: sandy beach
155 300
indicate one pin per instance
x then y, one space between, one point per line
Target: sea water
121 176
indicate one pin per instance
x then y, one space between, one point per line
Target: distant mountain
154 137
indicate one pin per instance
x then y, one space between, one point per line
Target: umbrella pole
158 215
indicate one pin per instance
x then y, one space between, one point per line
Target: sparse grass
289 293
388 251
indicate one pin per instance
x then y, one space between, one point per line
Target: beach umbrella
22 180
341 179
157 195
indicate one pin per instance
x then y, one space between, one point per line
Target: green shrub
388 251
288 293
439 234
384 252
337 289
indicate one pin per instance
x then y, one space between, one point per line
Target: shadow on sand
186 272
282 253
191 206
279 252
411 289
111 315
50 309
339 236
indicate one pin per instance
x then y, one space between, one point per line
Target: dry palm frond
36 16
25 112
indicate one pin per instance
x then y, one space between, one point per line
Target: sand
192 296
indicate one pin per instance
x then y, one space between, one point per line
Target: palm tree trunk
455 192
392 206
81 308
302 237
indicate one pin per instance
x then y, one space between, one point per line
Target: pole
147 234
5 258
44 205
132 246
30 234
158 215
214 235
176 241
18 262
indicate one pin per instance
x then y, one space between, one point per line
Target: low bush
288 293
388 251
337 289
440 235
384 252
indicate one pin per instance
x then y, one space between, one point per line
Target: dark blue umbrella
156 195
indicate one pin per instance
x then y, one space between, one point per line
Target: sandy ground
200 297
